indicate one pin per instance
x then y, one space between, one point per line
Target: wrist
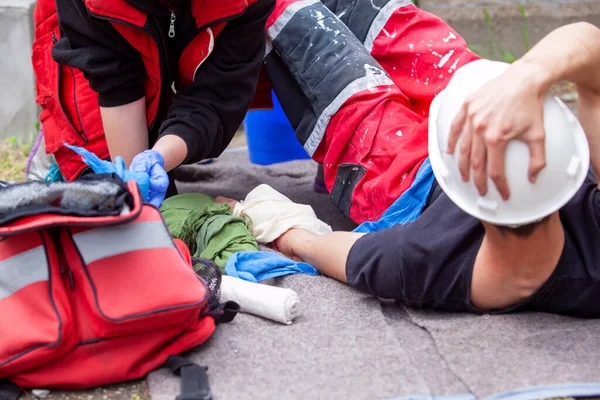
173 150
534 77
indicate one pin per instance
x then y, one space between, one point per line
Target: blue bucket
271 138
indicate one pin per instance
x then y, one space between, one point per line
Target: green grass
495 48
13 158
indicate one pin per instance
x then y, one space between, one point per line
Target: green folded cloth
208 229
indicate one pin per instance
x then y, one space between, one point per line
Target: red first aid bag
93 289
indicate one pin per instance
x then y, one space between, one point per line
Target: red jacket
92 53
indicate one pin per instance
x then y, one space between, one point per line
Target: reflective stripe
100 243
286 16
211 47
22 270
382 19
366 82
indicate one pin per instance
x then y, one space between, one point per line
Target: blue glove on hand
152 163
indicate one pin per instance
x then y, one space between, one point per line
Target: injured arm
327 253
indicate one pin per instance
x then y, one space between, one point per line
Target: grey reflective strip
22 270
286 16
366 82
382 18
268 48
100 243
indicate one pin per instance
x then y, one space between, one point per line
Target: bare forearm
570 53
327 253
589 115
125 129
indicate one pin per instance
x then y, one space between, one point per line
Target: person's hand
226 200
509 107
152 163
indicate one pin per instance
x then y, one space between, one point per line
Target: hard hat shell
567 156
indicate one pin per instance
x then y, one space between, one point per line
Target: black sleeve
207 113
425 264
112 66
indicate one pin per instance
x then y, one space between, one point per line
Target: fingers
495 165
159 180
537 153
479 164
155 198
457 127
464 157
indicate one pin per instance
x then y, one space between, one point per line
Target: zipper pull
172 25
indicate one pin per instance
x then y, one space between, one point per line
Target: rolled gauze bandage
274 303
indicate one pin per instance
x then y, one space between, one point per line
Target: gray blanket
347 345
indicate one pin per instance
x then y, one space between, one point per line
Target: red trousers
356 79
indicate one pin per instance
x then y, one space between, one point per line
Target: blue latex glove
106 167
152 163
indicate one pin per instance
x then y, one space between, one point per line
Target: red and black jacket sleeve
112 66
207 113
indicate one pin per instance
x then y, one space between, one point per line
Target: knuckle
479 124
494 140
496 176
476 163
538 164
465 149
538 137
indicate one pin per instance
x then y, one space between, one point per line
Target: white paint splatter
390 35
411 46
399 133
445 59
435 53
375 7
371 73
450 37
427 82
453 66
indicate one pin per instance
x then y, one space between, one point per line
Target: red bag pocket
35 315
133 277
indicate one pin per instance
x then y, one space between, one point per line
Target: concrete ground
513 25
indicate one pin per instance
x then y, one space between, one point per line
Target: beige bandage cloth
272 214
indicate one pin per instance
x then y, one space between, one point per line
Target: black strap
194 379
226 312
9 391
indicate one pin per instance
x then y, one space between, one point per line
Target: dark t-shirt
429 263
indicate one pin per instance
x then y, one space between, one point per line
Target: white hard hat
567 156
